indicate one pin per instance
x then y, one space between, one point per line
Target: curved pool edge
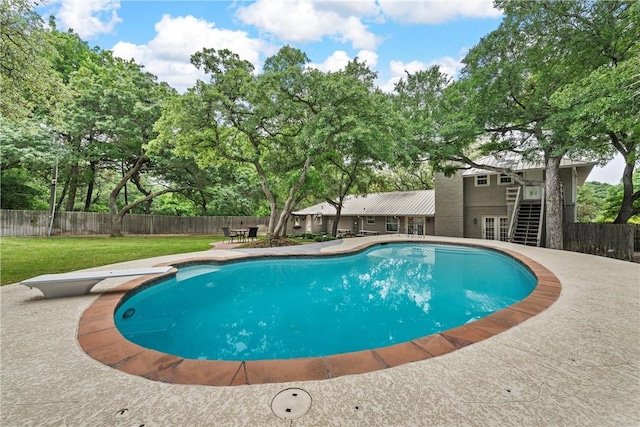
101 340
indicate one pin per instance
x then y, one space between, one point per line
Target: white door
415 225
495 228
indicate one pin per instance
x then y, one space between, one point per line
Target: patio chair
253 233
228 234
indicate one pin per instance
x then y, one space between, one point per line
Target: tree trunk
73 187
63 194
116 217
334 228
92 180
267 193
553 202
116 225
628 197
280 228
124 186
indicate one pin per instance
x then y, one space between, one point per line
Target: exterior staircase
528 224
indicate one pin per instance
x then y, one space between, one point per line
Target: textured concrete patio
576 363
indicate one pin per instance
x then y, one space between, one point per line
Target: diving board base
79 283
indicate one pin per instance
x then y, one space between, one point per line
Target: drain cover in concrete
291 403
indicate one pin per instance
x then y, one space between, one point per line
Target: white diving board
81 282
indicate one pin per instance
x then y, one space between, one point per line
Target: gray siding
481 201
491 201
449 218
430 227
493 195
474 230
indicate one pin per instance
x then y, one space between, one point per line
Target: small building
403 212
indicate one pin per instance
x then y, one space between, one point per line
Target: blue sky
390 35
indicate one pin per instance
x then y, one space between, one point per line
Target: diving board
81 282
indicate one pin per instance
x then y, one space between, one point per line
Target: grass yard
25 257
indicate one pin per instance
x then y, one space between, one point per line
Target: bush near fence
610 240
36 223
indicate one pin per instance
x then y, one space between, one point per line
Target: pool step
191 272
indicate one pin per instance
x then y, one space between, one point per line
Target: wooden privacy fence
610 240
36 223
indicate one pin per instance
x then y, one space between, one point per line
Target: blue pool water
286 308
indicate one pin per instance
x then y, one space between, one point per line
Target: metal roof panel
400 203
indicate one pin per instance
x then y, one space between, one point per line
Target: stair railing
514 195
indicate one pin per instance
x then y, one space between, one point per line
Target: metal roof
400 203
515 162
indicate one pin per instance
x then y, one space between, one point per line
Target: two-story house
482 204
475 203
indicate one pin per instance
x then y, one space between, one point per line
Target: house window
296 221
318 219
482 180
371 220
392 224
504 179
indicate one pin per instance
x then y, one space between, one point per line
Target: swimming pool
293 308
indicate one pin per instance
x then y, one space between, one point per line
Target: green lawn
25 257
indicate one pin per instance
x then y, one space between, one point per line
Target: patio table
241 232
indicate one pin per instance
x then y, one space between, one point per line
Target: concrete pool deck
576 363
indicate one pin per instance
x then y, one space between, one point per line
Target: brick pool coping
101 340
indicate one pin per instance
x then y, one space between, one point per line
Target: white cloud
303 21
368 56
88 18
349 8
398 69
168 54
448 65
335 62
437 11
339 59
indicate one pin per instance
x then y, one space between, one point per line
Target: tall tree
604 108
278 121
75 64
503 100
26 80
417 98
364 145
247 118
576 39
25 162
29 93
211 186
398 178
133 103
108 124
